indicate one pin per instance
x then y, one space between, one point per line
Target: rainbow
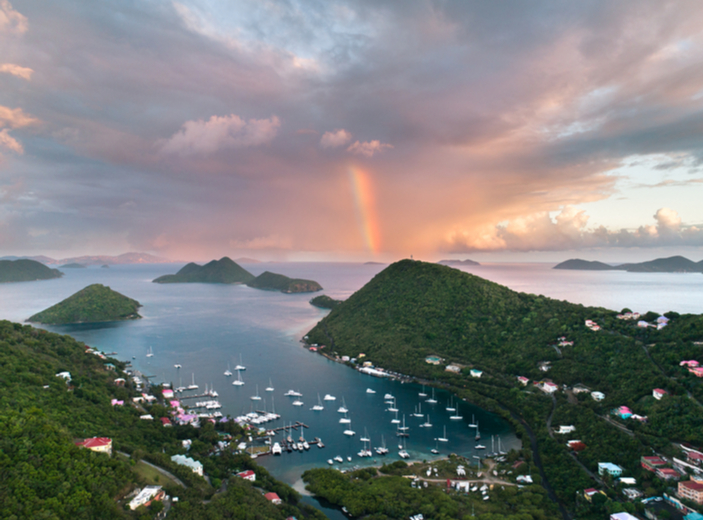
364 202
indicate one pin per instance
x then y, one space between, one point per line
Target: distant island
458 262
325 302
278 282
95 303
126 258
374 263
72 266
673 264
246 260
26 271
216 271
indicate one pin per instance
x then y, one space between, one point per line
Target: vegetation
215 271
25 270
72 266
94 303
673 264
325 302
414 309
278 282
44 475
458 262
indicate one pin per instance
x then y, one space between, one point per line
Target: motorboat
370 391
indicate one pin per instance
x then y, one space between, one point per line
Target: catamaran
240 366
366 436
238 381
276 449
444 435
349 431
343 408
193 385
382 450
150 353
344 420
318 407
402 452
269 388
228 372
256 397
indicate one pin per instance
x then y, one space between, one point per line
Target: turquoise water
205 327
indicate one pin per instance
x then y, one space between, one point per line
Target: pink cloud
10 20
15 118
16 70
10 143
368 148
206 137
335 139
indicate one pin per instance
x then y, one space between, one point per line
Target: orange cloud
335 139
10 20
368 148
16 70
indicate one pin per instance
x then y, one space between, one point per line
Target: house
462 486
667 473
691 490
116 402
549 387
523 380
273 498
622 516
524 479
628 481
345 359
576 445
690 363
643 324
652 463
248 475
195 466
624 412
147 417
598 396
97 444
693 516
632 493
475 373
566 429
589 493
592 325
453 368
165 421
579 389
361 355
120 381
612 469
167 393
697 371
146 496
64 375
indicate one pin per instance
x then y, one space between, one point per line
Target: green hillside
215 271
25 270
413 310
95 303
278 282
325 302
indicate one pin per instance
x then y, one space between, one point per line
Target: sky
351 130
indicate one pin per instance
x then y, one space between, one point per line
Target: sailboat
256 397
473 424
477 436
392 408
349 432
435 450
382 450
427 423
343 408
240 366
450 407
150 353
180 388
456 417
402 452
418 413
366 437
395 420
238 381
432 400
403 430
344 420
228 372
270 388
444 435
193 385
318 407
422 394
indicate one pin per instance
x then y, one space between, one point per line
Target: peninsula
215 271
278 282
325 302
673 264
95 303
25 270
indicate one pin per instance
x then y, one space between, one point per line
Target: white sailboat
240 366
228 372
402 431
366 437
444 435
402 452
473 424
435 450
392 408
432 400
256 397
450 407
427 423
193 385
396 420
150 353
269 388
418 413
422 394
318 407
382 450
349 431
343 408
238 381
477 436
344 420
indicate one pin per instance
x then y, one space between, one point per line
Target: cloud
9 143
368 148
265 242
10 20
16 70
568 231
335 139
206 137
15 118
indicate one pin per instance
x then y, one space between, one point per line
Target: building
475 373
659 393
64 375
146 496
248 475
667 473
549 387
632 493
195 466
612 469
589 493
165 421
598 396
576 445
566 429
453 368
523 380
628 481
622 516
97 444
624 412
273 498
524 479
433 360
691 490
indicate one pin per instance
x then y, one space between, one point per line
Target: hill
215 271
278 282
25 270
325 302
72 266
95 303
492 335
673 264
458 262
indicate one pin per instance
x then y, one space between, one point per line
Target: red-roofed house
523 380
576 445
165 421
549 387
652 463
248 475
695 456
667 473
589 493
697 371
273 498
659 393
97 444
690 490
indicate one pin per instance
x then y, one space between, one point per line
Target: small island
278 282
72 266
453 263
673 264
325 302
95 303
25 270
215 271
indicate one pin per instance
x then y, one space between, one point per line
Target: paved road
160 470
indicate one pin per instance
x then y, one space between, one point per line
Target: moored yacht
238 381
329 397
343 408
370 391
269 388
318 407
240 366
228 372
193 385
256 397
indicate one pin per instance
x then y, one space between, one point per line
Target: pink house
523 380
697 371
690 363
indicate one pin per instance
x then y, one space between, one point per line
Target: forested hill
269 281
25 270
92 304
215 271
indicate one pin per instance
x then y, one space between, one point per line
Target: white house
659 393
566 429
194 465
598 396
145 497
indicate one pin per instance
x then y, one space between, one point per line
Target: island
325 302
95 303
269 281
673 264
25 270
216 271
583 387
105 266
72 266
452 263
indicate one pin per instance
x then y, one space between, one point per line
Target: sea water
206 327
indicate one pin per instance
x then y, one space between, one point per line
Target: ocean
205 328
